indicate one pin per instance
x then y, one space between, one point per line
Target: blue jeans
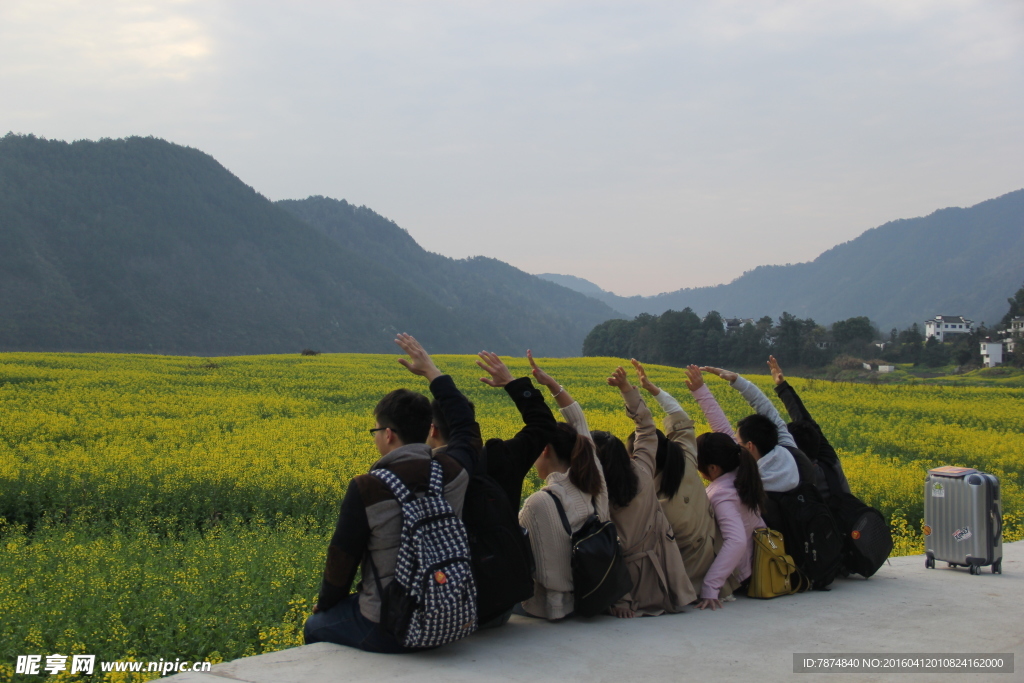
344 624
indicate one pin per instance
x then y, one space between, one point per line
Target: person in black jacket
510 460
808 435
504 567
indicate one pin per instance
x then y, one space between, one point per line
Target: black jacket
809 437
508 461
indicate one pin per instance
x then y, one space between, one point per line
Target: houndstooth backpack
432 599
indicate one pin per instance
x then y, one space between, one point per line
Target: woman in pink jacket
736 493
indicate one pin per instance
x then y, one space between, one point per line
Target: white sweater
552 547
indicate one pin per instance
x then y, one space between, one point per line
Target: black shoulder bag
599 574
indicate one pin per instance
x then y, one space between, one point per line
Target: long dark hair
670 463
618 469
577 452
716 448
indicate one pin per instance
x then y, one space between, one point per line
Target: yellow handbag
773 572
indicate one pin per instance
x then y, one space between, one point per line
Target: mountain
140 245
576 283
510 308
955 261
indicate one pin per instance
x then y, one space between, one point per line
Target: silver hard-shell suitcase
963 519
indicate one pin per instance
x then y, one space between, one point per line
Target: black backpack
599 574
499 548
867 539
813 538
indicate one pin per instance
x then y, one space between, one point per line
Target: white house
878 367
1017 326
941 326
991 353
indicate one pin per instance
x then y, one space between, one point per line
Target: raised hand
773 365
727 375
620 379
493 366
420 362
641 375
694 379
538 374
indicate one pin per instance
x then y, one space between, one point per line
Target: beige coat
552 547
660 583
690 512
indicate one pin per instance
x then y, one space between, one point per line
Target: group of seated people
683 543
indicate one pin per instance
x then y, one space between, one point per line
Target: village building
991 353
943 326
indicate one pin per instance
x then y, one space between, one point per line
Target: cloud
108 42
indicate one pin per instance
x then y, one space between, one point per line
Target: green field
161 507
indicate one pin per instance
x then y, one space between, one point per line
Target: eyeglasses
376 429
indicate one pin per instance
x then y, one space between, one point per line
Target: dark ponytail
670 463
716 448
622 481
577 452
748 482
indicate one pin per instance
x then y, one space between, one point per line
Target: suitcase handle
999 523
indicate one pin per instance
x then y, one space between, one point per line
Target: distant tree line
682 337
679 338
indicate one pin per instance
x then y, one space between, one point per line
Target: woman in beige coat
659 577
682 496
571 472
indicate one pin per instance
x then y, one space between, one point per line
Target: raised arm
679 426
798 413
538 422
761 404
668 403
464 441
705 399
645 447
573 414
567 405
787 394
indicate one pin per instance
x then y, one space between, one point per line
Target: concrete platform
904 608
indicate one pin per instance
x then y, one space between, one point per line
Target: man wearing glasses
370 523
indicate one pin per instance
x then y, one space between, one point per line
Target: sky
644 146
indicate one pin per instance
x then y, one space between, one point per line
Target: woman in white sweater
570 471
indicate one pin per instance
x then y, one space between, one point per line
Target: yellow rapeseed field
160 507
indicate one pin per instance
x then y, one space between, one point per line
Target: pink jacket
736 522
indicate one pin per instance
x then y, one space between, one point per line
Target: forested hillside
952 262
139 245
514 309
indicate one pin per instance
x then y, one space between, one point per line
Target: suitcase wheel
929 563
975 569
997 567
950 564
